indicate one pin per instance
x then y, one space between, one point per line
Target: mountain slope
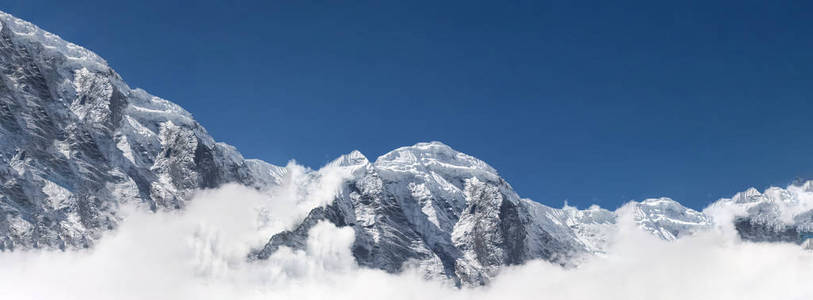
77 142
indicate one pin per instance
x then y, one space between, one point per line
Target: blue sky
589 102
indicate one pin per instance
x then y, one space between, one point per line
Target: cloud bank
200 253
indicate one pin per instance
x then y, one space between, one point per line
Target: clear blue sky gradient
591 103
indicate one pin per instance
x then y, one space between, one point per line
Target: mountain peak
354 158
432 148
749 195
433 156
668 219
51 44
660 202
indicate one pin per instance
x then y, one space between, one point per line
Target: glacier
77 143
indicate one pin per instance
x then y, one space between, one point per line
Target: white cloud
200 253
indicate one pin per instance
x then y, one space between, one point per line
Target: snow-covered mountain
452 216
775 215
76 142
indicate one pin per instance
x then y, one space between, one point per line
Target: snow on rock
667 219
774 215
77 142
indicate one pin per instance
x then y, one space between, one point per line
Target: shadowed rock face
293 239
753 230
77 142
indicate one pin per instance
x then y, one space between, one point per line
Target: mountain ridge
78 143
461 221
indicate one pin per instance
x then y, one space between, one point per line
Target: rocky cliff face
77 142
